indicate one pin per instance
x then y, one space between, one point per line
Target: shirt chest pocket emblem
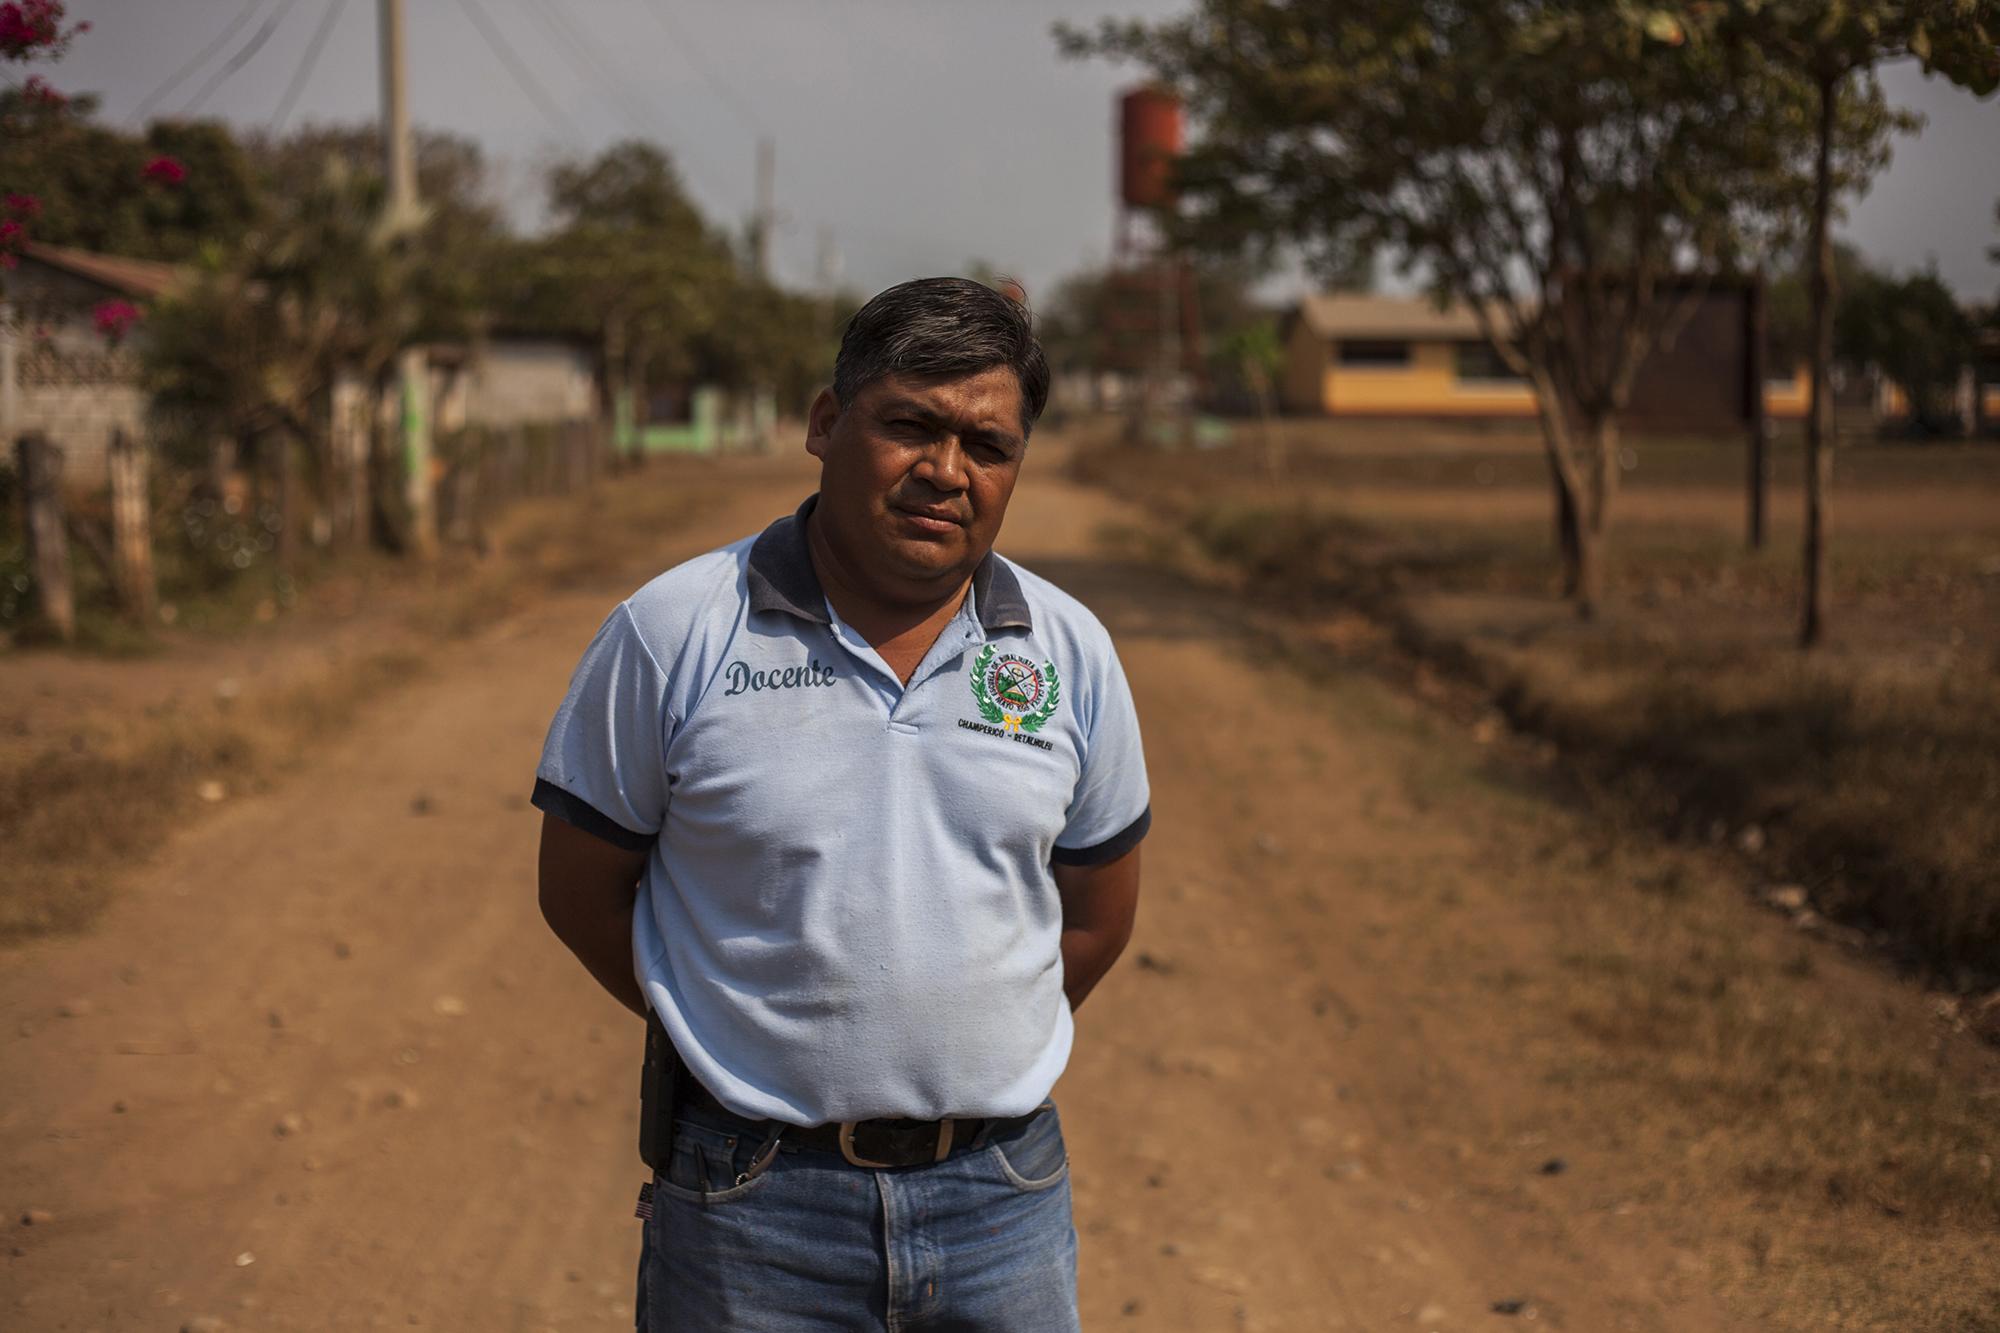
1013 694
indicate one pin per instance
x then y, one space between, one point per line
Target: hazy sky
917 134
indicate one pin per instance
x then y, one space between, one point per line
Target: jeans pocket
707 1166
1033 1157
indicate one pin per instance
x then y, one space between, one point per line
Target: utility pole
399 167
760 225
826 272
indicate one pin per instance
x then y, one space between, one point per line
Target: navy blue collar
781 578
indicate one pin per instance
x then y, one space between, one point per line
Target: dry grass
75 817
1828 1143
1820 1139
1869 772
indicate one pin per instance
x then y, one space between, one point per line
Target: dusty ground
319 1066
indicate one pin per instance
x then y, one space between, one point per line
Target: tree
250 348
93 188
1913 331
1558 166
1835 46
1256 355
631 264
456 248
1789 333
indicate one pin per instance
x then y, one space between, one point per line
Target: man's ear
820 421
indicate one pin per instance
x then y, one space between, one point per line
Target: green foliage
1788 338
254 338
93 191
631 264
1913 330
1832 39
1556 165
453 253
768 338
1104 319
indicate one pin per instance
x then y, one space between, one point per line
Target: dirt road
321 1067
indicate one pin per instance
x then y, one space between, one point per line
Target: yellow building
1395 356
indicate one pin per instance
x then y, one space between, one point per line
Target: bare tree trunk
40 465
1594 519
1274 446
1756 335
1569 543
132 526
1819 423
1551 410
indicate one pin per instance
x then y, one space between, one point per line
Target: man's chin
926 560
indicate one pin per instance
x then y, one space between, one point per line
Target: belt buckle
847 1127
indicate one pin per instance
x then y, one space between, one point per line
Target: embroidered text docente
742 680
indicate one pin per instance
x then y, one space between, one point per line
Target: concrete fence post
40 465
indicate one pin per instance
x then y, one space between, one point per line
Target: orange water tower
1149 139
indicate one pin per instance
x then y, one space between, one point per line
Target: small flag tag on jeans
644 1210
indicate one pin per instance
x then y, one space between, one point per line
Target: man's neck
902 631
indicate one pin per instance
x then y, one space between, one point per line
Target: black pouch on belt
658 1082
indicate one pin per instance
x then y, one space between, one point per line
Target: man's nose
943 465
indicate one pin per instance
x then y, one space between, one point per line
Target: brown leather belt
871 1143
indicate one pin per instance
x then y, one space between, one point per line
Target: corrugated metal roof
132 277
1341 315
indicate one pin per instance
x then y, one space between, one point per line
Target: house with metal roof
1369 355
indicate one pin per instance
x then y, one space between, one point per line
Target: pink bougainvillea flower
165 171
34 27
12 234
24 205
37 91
114 319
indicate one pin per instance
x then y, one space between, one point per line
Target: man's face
915 476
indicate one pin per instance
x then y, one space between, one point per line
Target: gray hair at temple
942 327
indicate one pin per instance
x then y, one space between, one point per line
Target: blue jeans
978 1243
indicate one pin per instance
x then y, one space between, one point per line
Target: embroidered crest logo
1013 692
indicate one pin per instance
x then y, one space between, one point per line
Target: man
853 808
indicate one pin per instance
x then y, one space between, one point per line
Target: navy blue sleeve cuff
1110 849
573 809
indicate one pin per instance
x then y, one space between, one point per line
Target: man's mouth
930 518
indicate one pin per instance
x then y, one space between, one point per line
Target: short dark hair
942 326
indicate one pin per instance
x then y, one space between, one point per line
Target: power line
576 55
307 63
591 66
241 58
174 80
497 42
697 59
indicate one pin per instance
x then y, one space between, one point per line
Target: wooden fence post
515 458
284 497
350 467
48 543
132 526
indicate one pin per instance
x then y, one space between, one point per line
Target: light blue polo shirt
849 910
